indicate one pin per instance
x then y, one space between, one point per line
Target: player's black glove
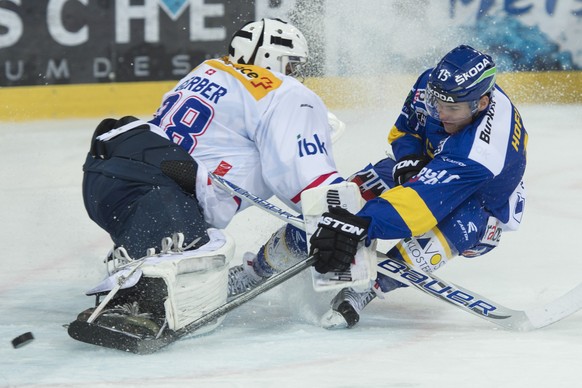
335 242
407 167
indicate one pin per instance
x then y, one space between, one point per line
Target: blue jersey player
454 185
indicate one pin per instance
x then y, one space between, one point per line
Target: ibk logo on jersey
314 147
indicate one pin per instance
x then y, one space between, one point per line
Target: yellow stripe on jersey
257 80
411 208
396 134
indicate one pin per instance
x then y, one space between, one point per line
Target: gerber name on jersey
204 87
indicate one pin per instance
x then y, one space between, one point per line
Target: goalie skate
169 291
131 326
119 328
243 278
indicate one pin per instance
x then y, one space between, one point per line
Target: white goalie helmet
269 43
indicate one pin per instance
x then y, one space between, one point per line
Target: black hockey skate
129 333
346 307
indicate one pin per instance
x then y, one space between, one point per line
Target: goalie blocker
340 197
154 297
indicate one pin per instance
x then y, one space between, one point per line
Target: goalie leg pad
196 281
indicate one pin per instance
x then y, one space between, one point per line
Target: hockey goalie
146 182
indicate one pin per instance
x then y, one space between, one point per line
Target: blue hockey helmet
463 75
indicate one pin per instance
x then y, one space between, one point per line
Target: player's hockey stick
470 301
466 300
267 206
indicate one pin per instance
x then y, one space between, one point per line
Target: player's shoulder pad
257 80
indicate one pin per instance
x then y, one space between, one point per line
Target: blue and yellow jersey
486 160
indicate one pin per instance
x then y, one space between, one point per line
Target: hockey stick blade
460 297
467 300
556 310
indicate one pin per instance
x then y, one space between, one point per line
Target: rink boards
143 98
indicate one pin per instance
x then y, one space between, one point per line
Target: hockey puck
22 339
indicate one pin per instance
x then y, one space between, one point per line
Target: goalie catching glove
335 242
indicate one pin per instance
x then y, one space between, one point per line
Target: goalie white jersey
264 131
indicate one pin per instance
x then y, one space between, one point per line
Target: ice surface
52 253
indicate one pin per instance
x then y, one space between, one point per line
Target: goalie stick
428 283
